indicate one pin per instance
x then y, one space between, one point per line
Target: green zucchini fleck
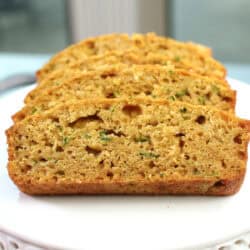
149 155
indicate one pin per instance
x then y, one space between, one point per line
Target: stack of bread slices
119 114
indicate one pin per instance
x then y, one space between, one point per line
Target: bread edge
202 186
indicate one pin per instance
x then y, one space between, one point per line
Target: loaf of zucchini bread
194 56
132 146
119 114
122 81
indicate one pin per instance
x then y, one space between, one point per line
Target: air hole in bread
223 164
219 184
110 95
101 163
148 92
195 171
110 174
188 93
208 95
187 157
108 74
201 119
93 150
55 119
60 172
48 144
37 178
26 169
151 164
165 80
59 149
237 139
227 99
80 122
132 110
43 159
112 132
181 144
18 147
180 134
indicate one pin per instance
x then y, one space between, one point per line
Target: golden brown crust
234 99
171 187
227 186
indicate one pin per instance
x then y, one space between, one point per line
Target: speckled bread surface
134 146
186 54
96 63
123 81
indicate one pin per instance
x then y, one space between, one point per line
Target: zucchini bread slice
99 63
193 55
138 146
152 81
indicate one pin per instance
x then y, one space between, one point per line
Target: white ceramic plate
120 222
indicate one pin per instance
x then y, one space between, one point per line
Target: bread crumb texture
129 146
122 81
183 54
